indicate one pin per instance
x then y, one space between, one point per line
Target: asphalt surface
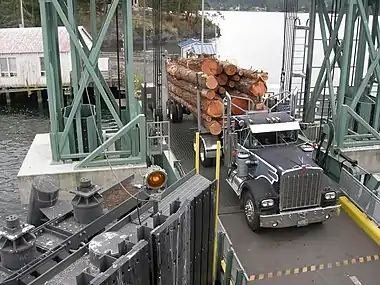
334 253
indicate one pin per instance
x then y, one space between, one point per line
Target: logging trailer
274 176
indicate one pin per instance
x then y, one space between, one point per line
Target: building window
42 66
8 67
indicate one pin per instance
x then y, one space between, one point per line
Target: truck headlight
330 195
267 203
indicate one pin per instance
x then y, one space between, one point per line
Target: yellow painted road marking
316 267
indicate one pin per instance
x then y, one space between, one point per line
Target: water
253 39
17 130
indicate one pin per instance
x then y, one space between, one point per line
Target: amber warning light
155 178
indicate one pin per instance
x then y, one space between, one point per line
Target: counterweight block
17 244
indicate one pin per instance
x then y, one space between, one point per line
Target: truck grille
300 188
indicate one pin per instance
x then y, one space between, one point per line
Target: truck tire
251 213
206 162
173 114
168 105
179 112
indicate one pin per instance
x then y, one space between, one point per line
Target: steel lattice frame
354 112
290 19
53 11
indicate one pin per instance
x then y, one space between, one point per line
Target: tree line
11 11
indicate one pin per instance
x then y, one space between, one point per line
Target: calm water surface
17 130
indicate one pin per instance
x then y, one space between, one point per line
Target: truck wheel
168 105
206 162
250 212
179 112
173 113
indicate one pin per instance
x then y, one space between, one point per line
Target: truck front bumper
299 218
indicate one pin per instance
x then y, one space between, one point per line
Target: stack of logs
213 79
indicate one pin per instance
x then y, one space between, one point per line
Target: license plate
302 223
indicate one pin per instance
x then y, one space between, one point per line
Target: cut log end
231 84
239 106
222 90
230 69
209 94
222 79
259 89
211 82
215 109
214 127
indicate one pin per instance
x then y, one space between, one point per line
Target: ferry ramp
337 252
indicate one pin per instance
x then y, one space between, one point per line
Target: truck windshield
274 138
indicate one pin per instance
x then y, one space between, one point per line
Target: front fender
260 189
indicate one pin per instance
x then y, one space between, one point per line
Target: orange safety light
155 178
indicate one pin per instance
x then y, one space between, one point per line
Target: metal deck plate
48 240
182 147
59 209
336 252
3 275
70 225
68 276
328 253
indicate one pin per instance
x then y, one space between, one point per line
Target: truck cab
274 176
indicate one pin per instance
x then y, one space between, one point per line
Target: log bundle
213 78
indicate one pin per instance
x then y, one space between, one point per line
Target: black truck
270 170
274 175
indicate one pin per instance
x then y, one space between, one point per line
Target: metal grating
300 187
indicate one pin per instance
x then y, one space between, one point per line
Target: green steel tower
340 94
76 132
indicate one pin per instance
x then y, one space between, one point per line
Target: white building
22 57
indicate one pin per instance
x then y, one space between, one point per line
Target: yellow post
217 178
197 153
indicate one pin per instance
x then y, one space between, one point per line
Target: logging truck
277 181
